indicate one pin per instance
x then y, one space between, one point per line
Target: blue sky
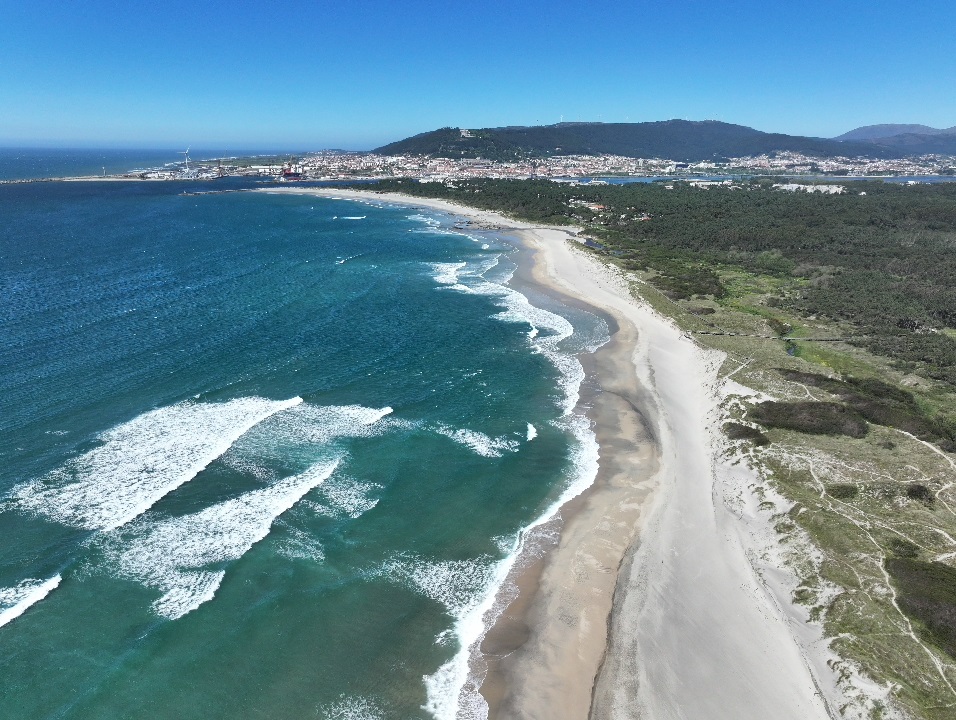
309 74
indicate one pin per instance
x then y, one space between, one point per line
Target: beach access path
649 605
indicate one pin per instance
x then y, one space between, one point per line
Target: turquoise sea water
265 456
33 163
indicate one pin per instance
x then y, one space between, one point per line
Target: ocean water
266 456
36 163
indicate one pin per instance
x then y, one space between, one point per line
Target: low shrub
736 431
880 403
903 548
818 418
843 491
926 591
780 327
918 491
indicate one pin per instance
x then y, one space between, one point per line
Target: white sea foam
16 600
418 217
305 427
455 584
353 708
458 585
142 460
447 273
249 466
479 442
452 691
532 432
352 217
300 545
547 329
177 555
467 277
350 496
324 423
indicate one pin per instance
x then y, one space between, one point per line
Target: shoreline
649 603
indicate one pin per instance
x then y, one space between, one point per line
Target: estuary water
266 456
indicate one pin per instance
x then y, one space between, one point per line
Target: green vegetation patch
903 548
881 404
927 593
843 491
921 493
779 326
818 418
737 431
689 281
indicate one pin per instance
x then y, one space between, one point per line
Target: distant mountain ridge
877 132
680 140
906 139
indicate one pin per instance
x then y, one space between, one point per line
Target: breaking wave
547 330
179 555
141 461
16 600
453 690
479 442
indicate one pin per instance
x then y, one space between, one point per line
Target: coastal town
341 165
337 165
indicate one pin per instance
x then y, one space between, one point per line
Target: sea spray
174 555
453 690
15 601
480 443
142 460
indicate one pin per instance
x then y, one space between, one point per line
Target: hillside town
335 165
338 165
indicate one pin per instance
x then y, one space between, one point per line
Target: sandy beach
647 602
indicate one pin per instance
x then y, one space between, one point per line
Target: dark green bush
879 403
926 591
843 491
918 491
736 431
819 418
903 548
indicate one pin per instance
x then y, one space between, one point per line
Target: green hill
682 140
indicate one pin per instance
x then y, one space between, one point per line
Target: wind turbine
186 154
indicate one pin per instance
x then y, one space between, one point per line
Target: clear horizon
108 75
